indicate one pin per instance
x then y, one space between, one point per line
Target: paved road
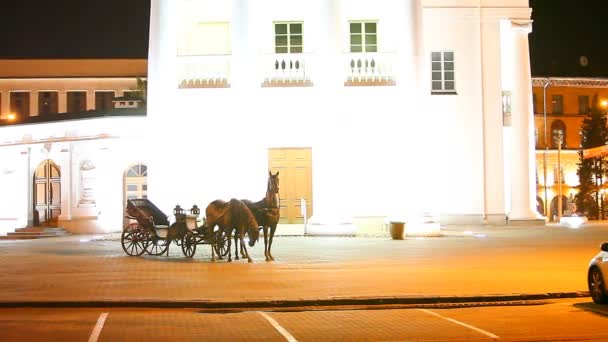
571 320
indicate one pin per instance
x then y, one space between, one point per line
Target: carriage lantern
195 210
178 210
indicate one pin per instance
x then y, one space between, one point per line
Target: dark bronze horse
230 216
267 212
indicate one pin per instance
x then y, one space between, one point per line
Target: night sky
564 30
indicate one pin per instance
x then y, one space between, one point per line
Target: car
598 271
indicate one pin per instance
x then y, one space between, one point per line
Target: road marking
279 328
97 330
489 334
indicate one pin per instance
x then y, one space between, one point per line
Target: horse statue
267 212
233 215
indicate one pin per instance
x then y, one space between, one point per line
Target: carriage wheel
188 244
134 242
156 246
221 243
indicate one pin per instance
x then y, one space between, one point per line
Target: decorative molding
573 82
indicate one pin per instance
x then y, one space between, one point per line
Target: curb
335 302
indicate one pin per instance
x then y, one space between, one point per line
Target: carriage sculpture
146 235
243 217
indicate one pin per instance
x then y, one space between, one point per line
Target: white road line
279 328
460 323
97 330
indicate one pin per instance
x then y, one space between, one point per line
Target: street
555 320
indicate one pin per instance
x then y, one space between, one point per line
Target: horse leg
265 228
236 247
212 244
273 228
245 247
230 245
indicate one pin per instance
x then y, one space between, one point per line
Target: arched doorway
554 205
540 206
135 184
47 193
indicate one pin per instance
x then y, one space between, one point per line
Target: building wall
396 142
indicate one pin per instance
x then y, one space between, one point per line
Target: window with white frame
363 36
205 38
288 37
442 68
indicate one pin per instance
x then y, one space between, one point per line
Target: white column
523 198
34 102
29 185
62 101
243 61
90 100
66 182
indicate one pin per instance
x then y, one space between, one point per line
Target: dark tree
591 171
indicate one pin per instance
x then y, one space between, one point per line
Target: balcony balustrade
286 70
369 69
209 71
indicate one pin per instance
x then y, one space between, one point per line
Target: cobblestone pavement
466 261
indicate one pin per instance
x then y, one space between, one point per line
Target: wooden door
47 193
295 181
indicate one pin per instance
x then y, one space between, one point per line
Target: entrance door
47 193
135 185
295 181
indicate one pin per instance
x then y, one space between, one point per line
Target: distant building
567 101
62 140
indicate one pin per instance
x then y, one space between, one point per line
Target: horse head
253 233
273 183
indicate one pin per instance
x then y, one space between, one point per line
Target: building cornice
572 82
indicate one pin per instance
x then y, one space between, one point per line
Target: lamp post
547 82
559 140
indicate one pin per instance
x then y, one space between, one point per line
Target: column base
527 222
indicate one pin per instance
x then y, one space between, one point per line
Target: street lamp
11 117
547 82
559 140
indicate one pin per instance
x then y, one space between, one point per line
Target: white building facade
403 107
370 110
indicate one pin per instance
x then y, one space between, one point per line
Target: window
558 104
559 173
77 101
103 100
20 104
47 102
534 108
205 38
442 69
363 37
558 132
288 38
583 104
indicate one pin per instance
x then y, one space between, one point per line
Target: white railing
286 68
203 71
369 67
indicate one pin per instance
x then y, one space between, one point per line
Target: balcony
286 70
369 69
209 71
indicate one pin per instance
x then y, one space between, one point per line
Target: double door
295 182
47 193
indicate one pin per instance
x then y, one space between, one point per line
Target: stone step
26 237
35 233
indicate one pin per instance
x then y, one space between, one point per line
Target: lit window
363 37
288 38
442 72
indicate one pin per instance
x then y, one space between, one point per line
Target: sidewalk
467 263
